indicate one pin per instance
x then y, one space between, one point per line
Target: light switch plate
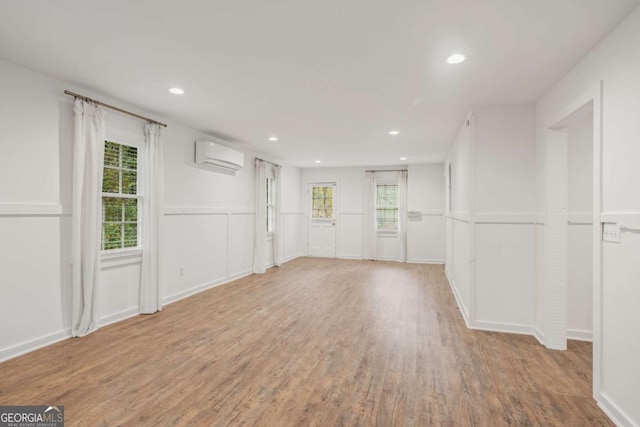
611 232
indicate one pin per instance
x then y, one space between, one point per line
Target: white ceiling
330 78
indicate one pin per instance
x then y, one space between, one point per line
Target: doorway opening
573 247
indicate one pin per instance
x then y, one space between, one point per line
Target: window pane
387 219
129 182
131 210
110 181
129 157
130 235
112 209
322 202
387 195
111 154
112 236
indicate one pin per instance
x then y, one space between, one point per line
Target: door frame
555 286
309 205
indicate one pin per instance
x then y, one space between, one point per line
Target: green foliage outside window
322 199
387 207
120 227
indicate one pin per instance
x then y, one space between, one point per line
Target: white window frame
270 188
333 199
132 140
397 208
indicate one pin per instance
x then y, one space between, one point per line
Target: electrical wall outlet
611 233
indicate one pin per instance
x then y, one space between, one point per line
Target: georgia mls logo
32 416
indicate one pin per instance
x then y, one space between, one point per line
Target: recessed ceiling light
403 158
176 91
318 161
456 58
273 138
394 132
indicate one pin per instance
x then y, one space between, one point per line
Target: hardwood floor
315 342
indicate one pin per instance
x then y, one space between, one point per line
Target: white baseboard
461 306
579 335
197 289
117 317
425 261
29 346
611 410
537 333
350 257
510 328
291 258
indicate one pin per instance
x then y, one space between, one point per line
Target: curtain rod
267 161
390 170
75 95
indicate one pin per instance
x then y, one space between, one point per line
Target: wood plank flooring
315 342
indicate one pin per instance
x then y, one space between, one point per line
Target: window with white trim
270 204
322 202
387 207
121 197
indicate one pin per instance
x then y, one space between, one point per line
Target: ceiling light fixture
176 91
403 158
394 132
456 58
318 161
273 138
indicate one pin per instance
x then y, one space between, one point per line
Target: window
120 197
387 207
270 204
322 199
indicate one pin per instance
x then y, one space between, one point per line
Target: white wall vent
220 158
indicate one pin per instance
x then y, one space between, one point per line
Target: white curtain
370 231
88 158
152 213
277 220
402 216
260 235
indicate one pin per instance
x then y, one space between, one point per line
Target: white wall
425 238
580 231
491 226
458 173
208 235
616 62
504 202
425 194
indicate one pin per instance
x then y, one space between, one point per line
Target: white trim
431 213
626 220
119 316
34 344
290 212
506 218
458 216
580 218
34 209
206 210
461 306
511 328
537 333
169 299
611 410
350 257
426 261
579 335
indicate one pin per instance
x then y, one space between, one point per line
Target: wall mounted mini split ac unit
218 157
